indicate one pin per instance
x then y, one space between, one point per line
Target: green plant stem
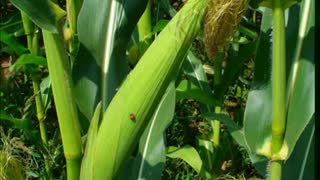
216 81
278 79
278 88
33 45
40 109
216 128
72 14
248 32
275 170
30 31
217 70
41 118
60 74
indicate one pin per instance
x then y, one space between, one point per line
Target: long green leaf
46 93
189 154
44 13
104 29
301 101
27 59
269 3
24 124
186 90
206 152
235 131
12 43
260 162
234 65
301 165
195 73
165 4
257 117
13 25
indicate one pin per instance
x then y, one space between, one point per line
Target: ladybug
132 117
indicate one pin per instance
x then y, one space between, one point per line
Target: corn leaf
269 3
46 93
235 131
10 40
206 152
104 29
301 165
43 13
190 155
28 59
301 100
257 117
195 73
13 25
186 90
165 4
24 124
234 66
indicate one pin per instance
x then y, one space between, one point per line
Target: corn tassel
132 107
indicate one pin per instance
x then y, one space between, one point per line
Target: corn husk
141 92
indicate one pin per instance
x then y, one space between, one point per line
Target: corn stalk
278 89
31 32
60 74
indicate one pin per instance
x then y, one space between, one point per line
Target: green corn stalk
73 7
33 46
278 90
217 80
59 68
133 105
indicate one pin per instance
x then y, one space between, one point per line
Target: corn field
157 89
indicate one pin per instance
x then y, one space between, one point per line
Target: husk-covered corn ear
133 105
221 21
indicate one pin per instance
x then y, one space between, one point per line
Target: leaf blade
43 13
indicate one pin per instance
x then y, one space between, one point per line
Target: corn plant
264 135
113 108
60 72
275 118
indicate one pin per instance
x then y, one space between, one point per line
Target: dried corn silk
221 21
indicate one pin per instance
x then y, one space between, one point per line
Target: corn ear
133 105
